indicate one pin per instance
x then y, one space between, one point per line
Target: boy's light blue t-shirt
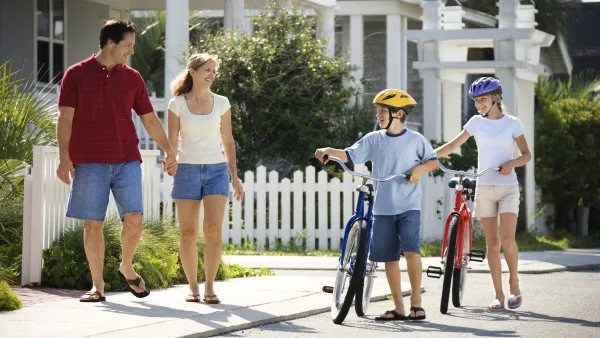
393 154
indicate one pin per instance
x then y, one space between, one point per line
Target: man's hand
65 168
320 153
170 163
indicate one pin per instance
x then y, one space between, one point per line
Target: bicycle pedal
328 289
477 255
434 272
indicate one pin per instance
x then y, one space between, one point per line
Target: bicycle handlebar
354 173
464 173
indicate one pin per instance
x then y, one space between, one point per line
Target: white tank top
200 135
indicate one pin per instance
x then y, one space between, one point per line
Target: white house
431 48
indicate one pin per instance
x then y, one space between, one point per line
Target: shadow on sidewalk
473 313
220 317
429 327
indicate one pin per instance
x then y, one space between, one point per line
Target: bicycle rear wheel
449 262
349 273
460 275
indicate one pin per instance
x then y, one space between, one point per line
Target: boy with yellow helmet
397 217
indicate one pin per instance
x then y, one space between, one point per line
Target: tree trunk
583 217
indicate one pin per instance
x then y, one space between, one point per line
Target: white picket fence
272 208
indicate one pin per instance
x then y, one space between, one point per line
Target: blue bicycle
355 272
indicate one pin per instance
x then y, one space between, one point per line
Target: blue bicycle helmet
485 86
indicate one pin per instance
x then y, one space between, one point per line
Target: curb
527 272
279 319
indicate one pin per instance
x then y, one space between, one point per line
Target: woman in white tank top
497 193
200 124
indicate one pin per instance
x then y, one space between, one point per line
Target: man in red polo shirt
98 149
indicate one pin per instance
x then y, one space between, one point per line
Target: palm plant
26 120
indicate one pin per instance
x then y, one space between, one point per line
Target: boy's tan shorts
491 200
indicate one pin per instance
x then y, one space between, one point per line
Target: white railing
272 208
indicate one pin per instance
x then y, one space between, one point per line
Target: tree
566 145
287 96
26 120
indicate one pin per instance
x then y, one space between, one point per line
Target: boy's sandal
211 299
193 298
414 310
515 301
135 282
92 297
395 316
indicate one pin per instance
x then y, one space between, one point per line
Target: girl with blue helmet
497 193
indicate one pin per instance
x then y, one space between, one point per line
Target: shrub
156 259
9 299
11 239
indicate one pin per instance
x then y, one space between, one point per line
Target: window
50 40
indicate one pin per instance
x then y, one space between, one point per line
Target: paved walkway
247 302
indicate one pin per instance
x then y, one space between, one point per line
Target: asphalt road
563 304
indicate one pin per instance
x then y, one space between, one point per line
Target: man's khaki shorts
491 200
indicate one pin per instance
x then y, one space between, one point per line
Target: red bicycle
457 243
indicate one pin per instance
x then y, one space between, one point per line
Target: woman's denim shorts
194 181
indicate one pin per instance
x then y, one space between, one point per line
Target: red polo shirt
103 129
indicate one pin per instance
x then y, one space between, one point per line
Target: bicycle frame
359 214
464 216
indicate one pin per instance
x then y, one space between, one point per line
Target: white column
432 14
451 109
326 29
234 15
396 52
357 53
507 13
176 43
432 104
525 108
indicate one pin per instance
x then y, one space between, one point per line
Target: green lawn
526 242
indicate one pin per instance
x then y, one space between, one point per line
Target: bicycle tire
459 277
449 263
361 303
338 315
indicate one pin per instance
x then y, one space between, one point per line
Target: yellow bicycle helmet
394 100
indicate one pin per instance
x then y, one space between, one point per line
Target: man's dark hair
115 31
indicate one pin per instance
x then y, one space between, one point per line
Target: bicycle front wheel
363 293
349 273
449 263
459 279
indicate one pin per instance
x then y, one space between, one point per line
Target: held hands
506 168
320 153
65 168
238 189
170 164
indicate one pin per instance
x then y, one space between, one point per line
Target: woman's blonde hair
183 82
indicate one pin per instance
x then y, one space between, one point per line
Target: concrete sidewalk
247 302
529 262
